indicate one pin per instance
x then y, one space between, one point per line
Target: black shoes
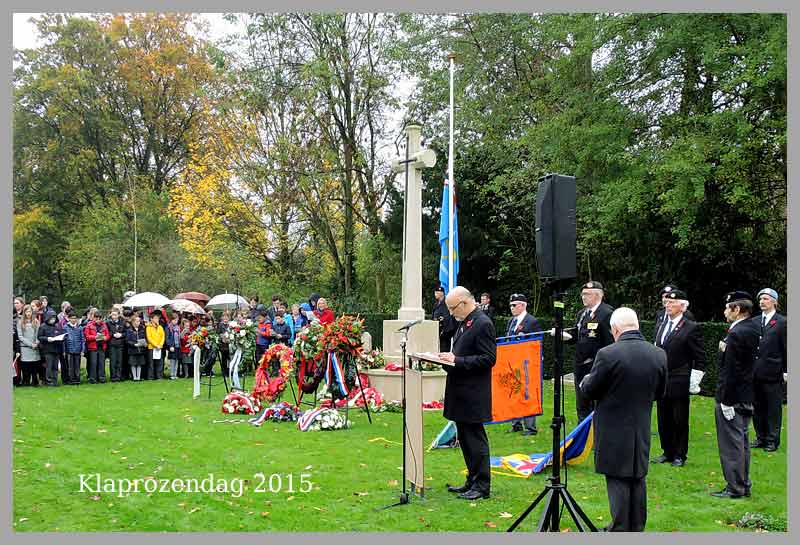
726 493
660 459
757 444
678 462
513 429
459 489
474 494
770 447
533 431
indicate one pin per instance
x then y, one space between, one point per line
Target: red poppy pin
773 322
469 323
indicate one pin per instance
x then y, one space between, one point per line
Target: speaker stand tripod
556 491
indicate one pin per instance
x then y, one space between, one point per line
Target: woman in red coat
323 313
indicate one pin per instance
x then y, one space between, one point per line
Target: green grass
135 430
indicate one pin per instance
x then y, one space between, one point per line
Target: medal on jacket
592 327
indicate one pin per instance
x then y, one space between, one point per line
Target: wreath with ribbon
273 372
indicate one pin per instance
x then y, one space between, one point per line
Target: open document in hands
430 356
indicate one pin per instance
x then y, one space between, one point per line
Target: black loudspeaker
555 227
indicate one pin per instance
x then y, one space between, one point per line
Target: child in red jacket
97 335
186 349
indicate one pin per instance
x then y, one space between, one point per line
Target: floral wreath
240 403
267 388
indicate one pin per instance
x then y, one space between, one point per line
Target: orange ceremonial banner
517 378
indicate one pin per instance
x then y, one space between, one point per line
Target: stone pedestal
390 384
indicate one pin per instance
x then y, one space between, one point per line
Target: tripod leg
527 511
575 509
294 394
550 504
366 405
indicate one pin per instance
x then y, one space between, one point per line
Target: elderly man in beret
592 332
522 323
682 340
664 295
769 373
737 355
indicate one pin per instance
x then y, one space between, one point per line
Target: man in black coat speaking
626 378
468 392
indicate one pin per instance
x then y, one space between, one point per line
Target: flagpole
451 181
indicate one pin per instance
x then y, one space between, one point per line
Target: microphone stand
405 498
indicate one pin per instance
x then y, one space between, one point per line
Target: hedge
712 333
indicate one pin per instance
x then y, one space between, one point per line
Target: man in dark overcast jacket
626 378
468 391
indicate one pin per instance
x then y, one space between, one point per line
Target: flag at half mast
448 261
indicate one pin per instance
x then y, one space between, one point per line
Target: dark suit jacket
594 334
684 348
660 313
625 380
771 360
736 363
468 392
529 325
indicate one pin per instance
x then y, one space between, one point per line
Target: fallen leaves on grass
490 524
290 498
361 493
393 482
264 513
94 498
23 519
505 515
194 510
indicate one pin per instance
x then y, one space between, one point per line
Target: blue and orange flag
517 378
574 449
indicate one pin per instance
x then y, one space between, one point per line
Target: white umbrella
146 299
227 301
184 305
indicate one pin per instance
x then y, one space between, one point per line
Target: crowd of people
139 345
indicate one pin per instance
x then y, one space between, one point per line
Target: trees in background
266 156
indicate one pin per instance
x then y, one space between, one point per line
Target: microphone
409 325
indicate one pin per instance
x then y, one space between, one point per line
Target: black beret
738 295
518 297
666 289
675 294
439 288
593 285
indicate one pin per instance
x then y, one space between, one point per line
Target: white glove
694 381
727 412
564 335
784 377
722 346
49 339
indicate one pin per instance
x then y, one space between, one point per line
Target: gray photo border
385 6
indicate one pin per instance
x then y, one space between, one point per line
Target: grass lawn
137 430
